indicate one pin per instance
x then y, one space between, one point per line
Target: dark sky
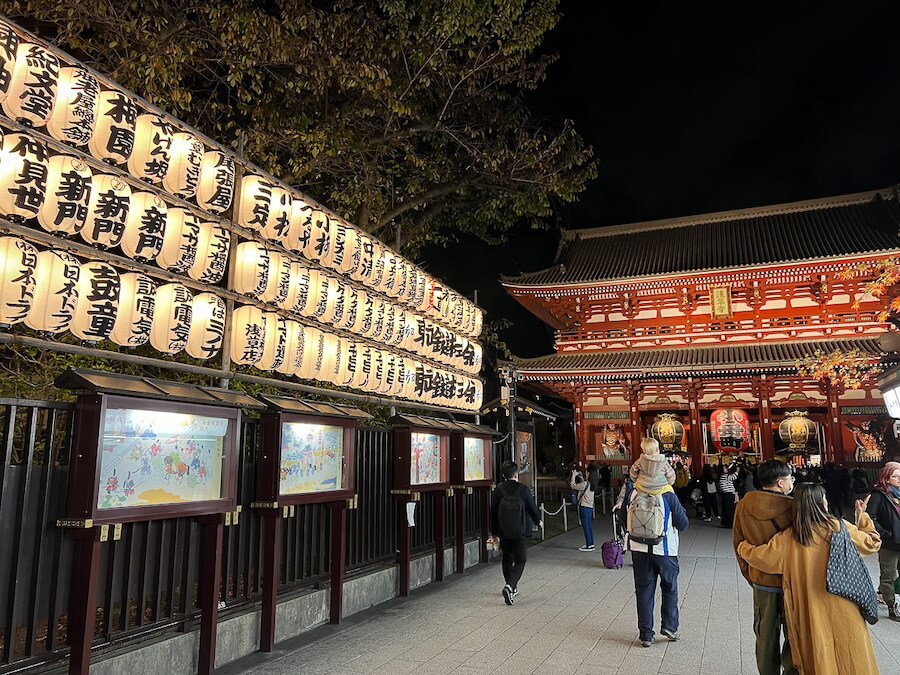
692 108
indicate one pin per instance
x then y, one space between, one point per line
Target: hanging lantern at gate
97 303
18 263
145 227
32 87
183 175
134 317
75 106
23 176
668 431
107 213
293 349
55 292
256 194
278 221
179 248
248 335
207 326
214 193
797 430
9 45
172 315
252 265
112 139
65 206
213 244
730 429
151 155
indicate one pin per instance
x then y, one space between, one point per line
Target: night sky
693 109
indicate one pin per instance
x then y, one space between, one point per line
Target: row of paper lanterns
73 107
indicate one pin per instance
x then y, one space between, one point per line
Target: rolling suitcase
613 555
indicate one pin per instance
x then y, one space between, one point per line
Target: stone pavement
572 616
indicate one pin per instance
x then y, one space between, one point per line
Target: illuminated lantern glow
278 220
341 375
403 270
325 298
321 244
390 323
32 88
366 314
253 211
274 343
248 334
668 431
97 303
112 139
213 245
55 292
730 429
347 255
399 328
797 430
23 176
340 303
252 262
313 353
183 176
377 327
378 274
151 156
179 250
326 370
207 326
296 283
214 193
310 291
18 264
9 45
339 245
381 365
65 206
144 227
364 251
345 307
420 303
172 317
389 282
299 233
293 349
410 331
279 281
108 208
75 106
134 317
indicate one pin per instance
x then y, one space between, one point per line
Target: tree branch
424 198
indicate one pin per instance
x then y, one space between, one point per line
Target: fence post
565 517
543 515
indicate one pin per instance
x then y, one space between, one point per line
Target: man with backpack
510 502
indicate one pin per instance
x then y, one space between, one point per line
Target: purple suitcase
613 557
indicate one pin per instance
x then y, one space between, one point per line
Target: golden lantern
256 194
278 221
32 87
134 317
293 349
248 335
65 206
145 227
393 364
252 262
313 352
18 263
179 248
151 155
23 176
172 316
300 231
72 118
97 303
183 175
9 44
278 285
107 211
207 326
112 139
55 292
213 245
216 188
668 431
797 430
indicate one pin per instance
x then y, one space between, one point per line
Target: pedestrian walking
512 505
884 507
759 516
710 493
728 493
585 488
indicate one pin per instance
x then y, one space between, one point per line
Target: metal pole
565 516
543 516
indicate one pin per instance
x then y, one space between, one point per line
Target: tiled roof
756 356
854 224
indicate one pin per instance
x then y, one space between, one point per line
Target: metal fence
148 579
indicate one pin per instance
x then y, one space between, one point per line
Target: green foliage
406 117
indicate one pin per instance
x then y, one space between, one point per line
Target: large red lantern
730 429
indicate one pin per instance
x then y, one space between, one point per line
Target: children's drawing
149 457
425 460
312 458
474 456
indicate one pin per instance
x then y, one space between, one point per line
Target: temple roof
862 223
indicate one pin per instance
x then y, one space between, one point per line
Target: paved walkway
571 616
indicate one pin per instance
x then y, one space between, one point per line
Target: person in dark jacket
884 507
515 549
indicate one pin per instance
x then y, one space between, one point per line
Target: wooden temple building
703 320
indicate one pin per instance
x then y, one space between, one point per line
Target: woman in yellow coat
827 632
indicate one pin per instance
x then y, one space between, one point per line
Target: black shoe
893 614
647 642
508 595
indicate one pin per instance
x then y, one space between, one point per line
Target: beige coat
828 634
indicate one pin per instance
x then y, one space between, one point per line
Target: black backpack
510 514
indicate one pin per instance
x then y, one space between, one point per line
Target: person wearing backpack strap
652 539
512 506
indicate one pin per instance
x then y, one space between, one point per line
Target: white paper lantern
389 280
310 291
216 189
213 244
32 89
327 365
300 231
151 156
278 285
399 328
313 353
278 220
327 295
23 176
75 106
403 273
172 316
180 239
9 44
275 342
183 175
251 275
207 326
144 227
296 283
248 335
376 326
134 317
97 303
364 314
55 292
321 244
293 349
378 274
341 375
18 263
107 211
345 307
256 194
65 206
390 324
112 139
365 249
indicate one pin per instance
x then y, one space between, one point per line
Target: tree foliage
848 369
408 117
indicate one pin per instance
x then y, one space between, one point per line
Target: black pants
515 554
710 504
727 508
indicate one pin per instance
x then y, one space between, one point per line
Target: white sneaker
587 548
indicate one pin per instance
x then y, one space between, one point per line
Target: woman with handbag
827 632
884 507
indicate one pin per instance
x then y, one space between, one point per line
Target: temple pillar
695 439
634 390
766 440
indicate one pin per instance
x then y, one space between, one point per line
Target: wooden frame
458 459
403 458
